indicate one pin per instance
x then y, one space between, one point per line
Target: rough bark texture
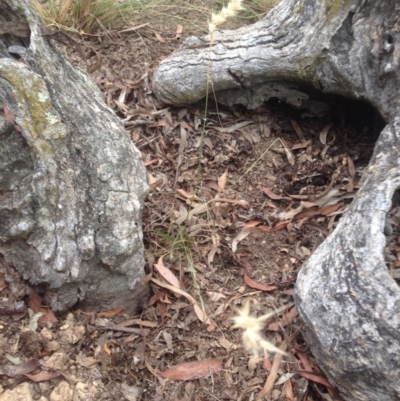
347 299
349 304
72 183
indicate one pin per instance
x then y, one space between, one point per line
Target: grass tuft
94 16
87 16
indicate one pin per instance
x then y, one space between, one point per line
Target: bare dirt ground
232 215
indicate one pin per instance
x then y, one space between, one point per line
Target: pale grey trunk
72 183
349 304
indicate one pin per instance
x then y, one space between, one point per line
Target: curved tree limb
343 47
349 303
346 298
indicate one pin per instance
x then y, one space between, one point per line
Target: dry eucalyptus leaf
242 235
273 195
18 370
166 273
324 133
298 130
223 180
352 168
233 127
193 370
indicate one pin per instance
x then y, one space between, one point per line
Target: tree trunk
349 304
72 183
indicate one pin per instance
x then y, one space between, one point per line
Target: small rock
276 394
23 392
71 334
131 393
52 346
46 333
62 392
79 332
57 361
85 392
44 387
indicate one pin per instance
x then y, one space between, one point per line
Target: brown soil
266 173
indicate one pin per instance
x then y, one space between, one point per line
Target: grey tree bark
349 304
72 183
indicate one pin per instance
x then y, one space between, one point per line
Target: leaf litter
230 217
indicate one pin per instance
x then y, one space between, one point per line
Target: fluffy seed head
252 337
235 5
226 12
217 19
